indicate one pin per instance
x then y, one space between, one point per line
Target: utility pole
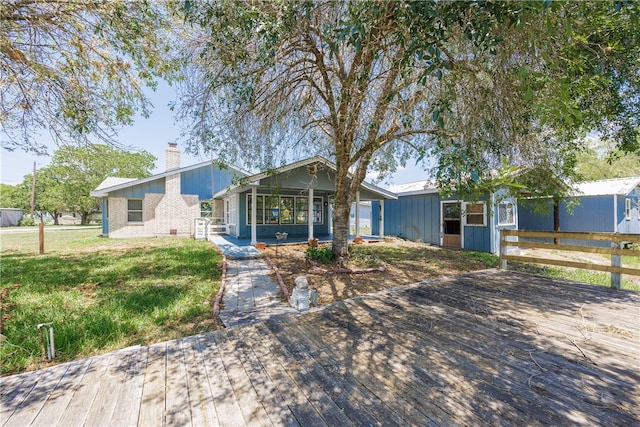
33 190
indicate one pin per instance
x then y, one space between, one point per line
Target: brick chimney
172 156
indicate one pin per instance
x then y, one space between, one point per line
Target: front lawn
101 294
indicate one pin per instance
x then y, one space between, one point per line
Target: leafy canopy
77 68
473 85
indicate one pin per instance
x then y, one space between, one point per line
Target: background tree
79 170
48 195
77 68
9 197
371 84
600 160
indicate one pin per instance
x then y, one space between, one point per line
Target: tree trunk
341 226
84 218
55 218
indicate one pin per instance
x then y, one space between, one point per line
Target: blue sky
153 135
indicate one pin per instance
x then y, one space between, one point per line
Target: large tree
76 68
79 170
9 197
600 160
46 191
371 84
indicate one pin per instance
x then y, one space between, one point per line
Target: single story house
420 213
609 205
294 199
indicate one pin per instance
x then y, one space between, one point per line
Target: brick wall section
161 213
172 157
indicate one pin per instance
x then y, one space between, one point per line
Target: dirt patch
403 262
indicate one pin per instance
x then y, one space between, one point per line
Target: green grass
578 275
101 294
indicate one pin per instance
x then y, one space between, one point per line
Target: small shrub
27 221
363 257
322 255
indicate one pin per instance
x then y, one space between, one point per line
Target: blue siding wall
418 218
594 213
478 238
411 217
631 225
199 181
138 191
196 181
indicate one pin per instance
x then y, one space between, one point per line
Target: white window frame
141 211
318 199
513 214
206 213
627 208
465 209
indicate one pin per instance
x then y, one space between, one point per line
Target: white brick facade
169 214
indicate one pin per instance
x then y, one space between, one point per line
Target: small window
286 210
506 214
302 210
317 210
259 209
206 210
627 209
134 210
272 210
475 214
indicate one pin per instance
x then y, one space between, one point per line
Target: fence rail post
503 251
616 261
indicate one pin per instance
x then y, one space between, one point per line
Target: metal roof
111 184
619 186
427 186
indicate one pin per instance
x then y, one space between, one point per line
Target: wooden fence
618 243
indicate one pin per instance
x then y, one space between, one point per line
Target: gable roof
604 187
113 184
113 181
255 179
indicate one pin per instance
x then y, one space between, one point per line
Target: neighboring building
10 217
421 214
164 204
609 205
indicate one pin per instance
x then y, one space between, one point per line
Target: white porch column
357 214
310 213
254 213
381 219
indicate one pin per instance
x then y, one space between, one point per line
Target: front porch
296 199
295 240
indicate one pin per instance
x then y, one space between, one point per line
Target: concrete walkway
251 294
